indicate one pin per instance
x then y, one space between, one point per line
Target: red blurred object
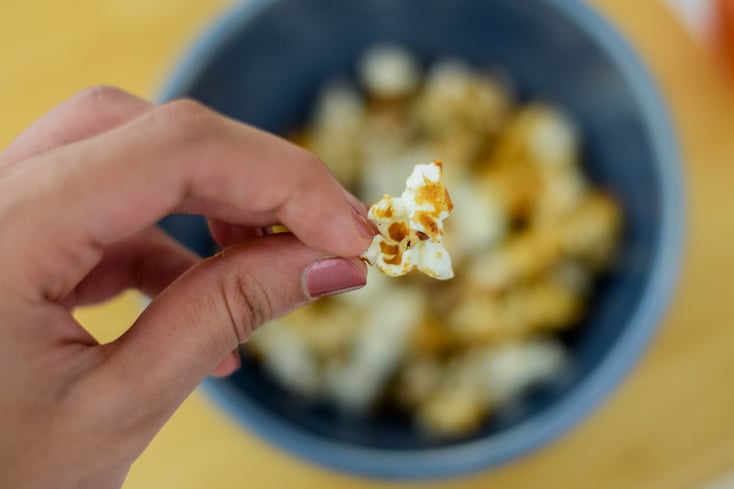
725 29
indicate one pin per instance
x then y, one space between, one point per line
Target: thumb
197 321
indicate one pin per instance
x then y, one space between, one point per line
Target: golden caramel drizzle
434 193
384 213
397 231
428 221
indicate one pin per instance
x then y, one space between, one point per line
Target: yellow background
671 425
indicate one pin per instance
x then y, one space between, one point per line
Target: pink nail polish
332 276
365 227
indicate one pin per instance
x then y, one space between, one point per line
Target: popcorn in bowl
411 227
529 236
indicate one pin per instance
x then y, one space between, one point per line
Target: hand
80 192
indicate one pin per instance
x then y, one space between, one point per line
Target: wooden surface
671 425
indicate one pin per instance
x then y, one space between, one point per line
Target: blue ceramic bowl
262 63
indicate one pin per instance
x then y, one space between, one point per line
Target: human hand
80 192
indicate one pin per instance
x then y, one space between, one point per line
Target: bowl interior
266 71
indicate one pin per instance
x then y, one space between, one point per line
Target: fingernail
332 276
364 226
360 206
229 364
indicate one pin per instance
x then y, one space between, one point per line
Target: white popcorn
337 129
561 194
389 71
552 137
378 348
458 101
480 221
382 162
487 378
509 369
339 103
411 227
528 238
287 357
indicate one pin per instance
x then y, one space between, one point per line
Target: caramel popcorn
411 227
530 234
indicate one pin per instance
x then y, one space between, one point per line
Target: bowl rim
569 410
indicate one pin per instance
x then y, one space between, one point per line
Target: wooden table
671 425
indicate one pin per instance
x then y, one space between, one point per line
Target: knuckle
247 304
102 95
183 122
186 117
309 163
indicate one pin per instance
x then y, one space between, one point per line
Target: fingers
147 261
89 113
358 205
226 234
197 321
229 365
92 193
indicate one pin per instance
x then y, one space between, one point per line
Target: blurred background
668 426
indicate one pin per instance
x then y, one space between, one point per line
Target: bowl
262 63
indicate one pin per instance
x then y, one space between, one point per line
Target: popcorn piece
479 223
383 160
417 380
540 306
453 412
518 258
287 358
337 128
411 227
356 383
389 71
552 138
530 235
509 369
459 100
591 233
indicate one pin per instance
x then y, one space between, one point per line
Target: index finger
88 113
80 197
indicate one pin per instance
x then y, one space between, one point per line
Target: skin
80 191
